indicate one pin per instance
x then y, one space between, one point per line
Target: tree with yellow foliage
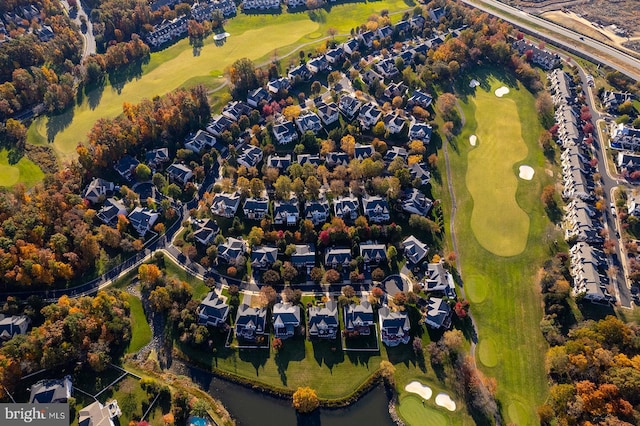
305 400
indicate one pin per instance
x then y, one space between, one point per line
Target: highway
563 37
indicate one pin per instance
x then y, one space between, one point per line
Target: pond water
251 408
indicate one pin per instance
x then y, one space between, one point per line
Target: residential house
250 323
97 190
370 77
299 74
418 22
204 230
541 57
407 58
363 151
627 163
212 311
13 325
317 211
415 202
561 87
612 100
591 283
110 211
349 107
51 391
395 152
199 141
260 5
351 46
439 280
256 208
334 257
279 85
577 185
232 250
582 252
236 109
387 68
414 250
285 132
394 123
369 115
376 208
438 314
126 166
373 253
225 204
367 38
633 205
218 124
96 414
292 4
263 257
313 159
286 318
318 64
625 138
420 171
328 113
437 14
323 321
309 121
304 256
420 99
142 219
281 162
286 212
249 156
568 132
403 27
358 318
395 89
346 208
385 31
179 173
156 158
420 131
335 55
167 31
256 96
394 326
336 158
580 226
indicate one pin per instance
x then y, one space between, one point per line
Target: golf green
487 352
24 171
416 413
497 221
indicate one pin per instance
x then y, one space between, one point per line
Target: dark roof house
212 311
323 321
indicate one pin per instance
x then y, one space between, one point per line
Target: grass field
140 330
24 171
506 302
179 65
498 222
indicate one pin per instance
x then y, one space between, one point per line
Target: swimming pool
198 421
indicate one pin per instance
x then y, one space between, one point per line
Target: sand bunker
473 139
500 92
420 389
444 400
474 83
526 172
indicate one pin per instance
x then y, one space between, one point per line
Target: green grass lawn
506 302
140 329
416 412
25 171
498 222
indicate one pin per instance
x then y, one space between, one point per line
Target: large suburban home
439 280
328 113
199 141
232 250
279 84
110 211
156 158
286 318
415 202
346 208
403 27
13 325
218 124
369 115
323 321
351 46
612 100
250 323
625 138
281 162
370 77
376 208
385 31
205 230
393 123
51 391
420 99
285 132
249 156
367 38
373 253
333 257
360 152
179 173
313 159
309 121
358 318
317 211
334 55
236 109
97 190
286 212
418 22
437 14
420 171
633 205
263 257
420 131
627 163
256 208
387 68
394 326
336 158
126 166
395 89
438 314
304 256
142 219
349 107
96 414
414 250
225 204
299 73
256 96
395 152
318 64
212 311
